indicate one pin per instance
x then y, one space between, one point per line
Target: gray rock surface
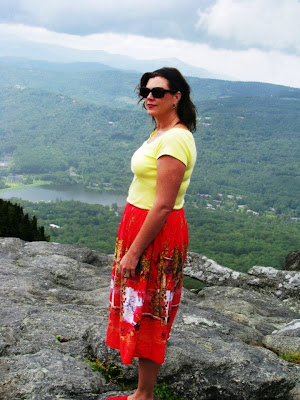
53 310
283 284
292 261
286 340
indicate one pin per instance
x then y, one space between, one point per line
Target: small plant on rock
164 392
114 374
110 371
292 357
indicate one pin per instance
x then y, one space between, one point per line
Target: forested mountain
250 146
248 134
105 85
75 123
110 87
48 134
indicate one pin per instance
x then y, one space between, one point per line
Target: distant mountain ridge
111 86
78 66
60 54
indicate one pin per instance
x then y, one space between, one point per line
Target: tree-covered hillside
235 240
110 87
48 134
102 84
67 124
251 146
247 146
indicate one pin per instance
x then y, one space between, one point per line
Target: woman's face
160 107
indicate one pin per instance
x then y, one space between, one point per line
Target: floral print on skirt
142 310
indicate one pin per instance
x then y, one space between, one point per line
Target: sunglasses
157 92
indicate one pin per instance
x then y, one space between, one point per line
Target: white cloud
51 10
263 23
161 18
249 65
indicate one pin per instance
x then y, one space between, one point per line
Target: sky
249 40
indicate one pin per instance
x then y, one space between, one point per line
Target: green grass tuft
114 374
164 392
292 357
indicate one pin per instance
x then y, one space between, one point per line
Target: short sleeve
176 144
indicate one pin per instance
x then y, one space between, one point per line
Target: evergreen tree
14 223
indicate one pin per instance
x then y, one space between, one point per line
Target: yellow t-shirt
176 142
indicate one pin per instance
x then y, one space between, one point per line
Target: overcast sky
252 40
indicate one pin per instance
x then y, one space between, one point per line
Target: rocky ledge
228 340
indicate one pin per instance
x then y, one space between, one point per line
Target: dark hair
186 109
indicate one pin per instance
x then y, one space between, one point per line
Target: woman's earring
174 106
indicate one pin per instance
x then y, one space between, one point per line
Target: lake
62 192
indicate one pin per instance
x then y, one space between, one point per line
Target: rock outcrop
281 283
226 342
292 261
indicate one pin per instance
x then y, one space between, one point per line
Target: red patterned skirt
142 310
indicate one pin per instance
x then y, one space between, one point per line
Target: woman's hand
128 265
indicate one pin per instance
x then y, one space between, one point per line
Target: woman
152 240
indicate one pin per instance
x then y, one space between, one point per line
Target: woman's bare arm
170 172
